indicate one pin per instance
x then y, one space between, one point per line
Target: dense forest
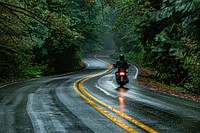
45 37
164 35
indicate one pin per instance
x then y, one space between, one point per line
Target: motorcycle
122 77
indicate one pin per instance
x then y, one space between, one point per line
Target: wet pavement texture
51 104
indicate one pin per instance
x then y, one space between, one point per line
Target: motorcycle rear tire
121 84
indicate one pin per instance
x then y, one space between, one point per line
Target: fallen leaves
145 79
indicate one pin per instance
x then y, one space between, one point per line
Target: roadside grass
153 83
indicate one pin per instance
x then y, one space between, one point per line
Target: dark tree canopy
48 36
166 35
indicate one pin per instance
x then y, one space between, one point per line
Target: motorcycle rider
121 64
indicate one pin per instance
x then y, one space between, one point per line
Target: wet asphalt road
52 105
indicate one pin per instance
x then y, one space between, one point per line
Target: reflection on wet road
160 111
126 126
121 98
58 104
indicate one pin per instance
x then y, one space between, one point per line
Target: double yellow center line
78 86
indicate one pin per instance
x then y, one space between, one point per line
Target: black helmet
121 57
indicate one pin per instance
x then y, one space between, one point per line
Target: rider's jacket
121 64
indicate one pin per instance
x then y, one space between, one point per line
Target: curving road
90 101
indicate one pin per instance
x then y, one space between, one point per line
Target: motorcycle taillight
121 73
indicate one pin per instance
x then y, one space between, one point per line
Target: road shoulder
145 79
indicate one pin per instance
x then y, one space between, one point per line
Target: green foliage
192 64
45 37
180 34
167 33
60 53
48 37
135 58
35 71
9 63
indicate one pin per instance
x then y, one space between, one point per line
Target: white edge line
107 93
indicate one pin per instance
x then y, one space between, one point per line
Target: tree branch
30 14
30 29
12 32
10 36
